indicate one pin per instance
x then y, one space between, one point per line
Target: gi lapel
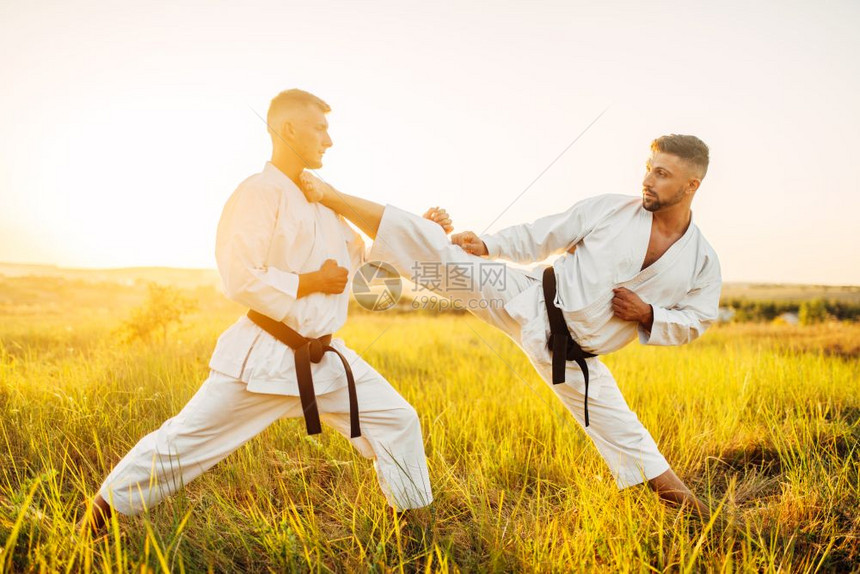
667 260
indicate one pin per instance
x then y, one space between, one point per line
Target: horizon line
59 267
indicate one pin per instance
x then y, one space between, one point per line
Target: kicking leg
364 213
421 251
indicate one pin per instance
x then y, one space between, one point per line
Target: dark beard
656 205
651 205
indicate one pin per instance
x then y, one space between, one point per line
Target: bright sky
127 125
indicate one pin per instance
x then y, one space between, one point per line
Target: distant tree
816 310
742 315
844 310
811 312
165 306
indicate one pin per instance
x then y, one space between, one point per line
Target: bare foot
95 516
313 187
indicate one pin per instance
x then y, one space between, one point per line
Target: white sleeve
690 318
245 234
548 235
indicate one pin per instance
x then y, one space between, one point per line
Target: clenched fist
628 306
440 216
470 243
332 277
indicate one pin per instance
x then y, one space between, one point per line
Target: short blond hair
289 101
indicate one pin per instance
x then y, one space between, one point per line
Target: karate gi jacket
269 234
606 239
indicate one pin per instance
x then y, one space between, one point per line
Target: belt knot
315 348
309 351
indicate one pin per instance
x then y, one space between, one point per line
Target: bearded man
631 267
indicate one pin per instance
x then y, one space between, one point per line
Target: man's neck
290 165
673 221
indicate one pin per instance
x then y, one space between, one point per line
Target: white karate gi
267 236
610 235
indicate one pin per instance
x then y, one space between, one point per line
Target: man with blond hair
630 267
290 262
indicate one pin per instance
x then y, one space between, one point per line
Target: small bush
812 312
164 308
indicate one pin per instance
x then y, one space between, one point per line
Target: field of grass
762 421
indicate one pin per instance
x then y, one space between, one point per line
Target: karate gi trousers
223 415
409 242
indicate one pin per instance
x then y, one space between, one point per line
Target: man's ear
288 129
693 184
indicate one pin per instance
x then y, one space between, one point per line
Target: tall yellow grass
762 427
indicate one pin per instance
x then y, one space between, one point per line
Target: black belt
310 351
562 345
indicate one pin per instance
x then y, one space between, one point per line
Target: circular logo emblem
376 286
